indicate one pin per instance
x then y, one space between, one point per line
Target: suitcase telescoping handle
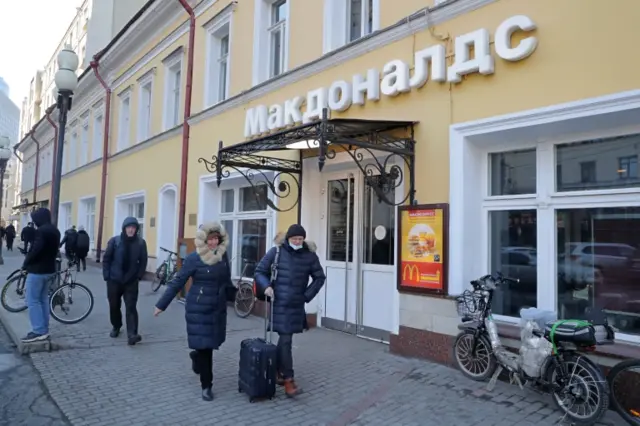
268 319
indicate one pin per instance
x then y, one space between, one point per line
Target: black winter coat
291 288
206 304
28 234
114 257
41 259
82 244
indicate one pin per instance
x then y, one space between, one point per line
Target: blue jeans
38 302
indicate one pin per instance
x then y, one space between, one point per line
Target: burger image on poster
380 232
421 241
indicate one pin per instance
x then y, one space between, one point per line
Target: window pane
253 198
513 172
341 204
226 205
599 264
228 226
355 20
606 164
279 13
222 83
276 45
514 253
252 240
379 228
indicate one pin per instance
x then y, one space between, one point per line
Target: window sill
619 350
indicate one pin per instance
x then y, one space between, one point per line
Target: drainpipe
15 152
185 125
35 178
105 151
55 144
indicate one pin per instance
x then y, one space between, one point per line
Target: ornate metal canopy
382 150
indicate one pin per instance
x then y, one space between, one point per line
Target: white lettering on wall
503 39
472 54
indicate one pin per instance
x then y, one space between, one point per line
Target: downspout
105 151
15 152
55 144
185 125
35 178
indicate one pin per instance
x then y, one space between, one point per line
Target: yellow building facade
519 115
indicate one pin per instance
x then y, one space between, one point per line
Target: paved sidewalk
96 380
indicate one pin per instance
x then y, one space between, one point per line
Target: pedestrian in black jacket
293 260
123 266
10 235
27 235
40 265
83 243
206 305
69 242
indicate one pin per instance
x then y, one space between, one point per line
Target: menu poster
422 250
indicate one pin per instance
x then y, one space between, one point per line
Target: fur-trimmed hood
281 237
208 256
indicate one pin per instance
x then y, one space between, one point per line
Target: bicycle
61 287
245 295
623 385
166 270
19 278
550 356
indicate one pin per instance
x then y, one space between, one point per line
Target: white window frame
172 64
98 134
336 27
72 159
84 141
262 40
544 129
121 209
124 120
132 211
85 213
219 27
145 109
235 182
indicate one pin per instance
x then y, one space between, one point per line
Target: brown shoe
279 379
291 389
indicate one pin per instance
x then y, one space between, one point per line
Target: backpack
274 275
82 242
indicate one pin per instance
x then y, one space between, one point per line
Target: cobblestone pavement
23 398
348 381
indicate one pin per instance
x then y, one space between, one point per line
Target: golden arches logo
411 269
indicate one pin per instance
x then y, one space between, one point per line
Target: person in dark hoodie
40 265
293 261
123 266
83 243
69 242
10 235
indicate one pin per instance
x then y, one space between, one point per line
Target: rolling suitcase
257 372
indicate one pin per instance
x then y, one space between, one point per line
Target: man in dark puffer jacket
297 261
123 266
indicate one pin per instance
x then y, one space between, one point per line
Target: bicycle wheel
65 299
624 382
13 297
245 299
159 277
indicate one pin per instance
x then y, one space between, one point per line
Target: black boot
194 363
115 332
207 394
134 339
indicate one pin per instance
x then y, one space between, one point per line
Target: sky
30 30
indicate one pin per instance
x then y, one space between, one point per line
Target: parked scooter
550 357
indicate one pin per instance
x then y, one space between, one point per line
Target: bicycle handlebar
168 251
491 281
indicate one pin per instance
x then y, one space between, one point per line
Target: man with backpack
82 247
27 236
123 266
69 242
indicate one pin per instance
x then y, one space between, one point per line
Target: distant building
9 126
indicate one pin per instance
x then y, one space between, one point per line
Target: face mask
295 247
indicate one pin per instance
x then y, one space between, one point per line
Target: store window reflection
341 205
513 245
379 226
513 173
599 264
252 240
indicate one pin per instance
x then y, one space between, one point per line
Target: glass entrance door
360 258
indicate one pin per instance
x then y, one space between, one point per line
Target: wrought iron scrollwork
283 184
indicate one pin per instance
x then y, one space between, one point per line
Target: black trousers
129 292
285 355
10 244
82 260
204 365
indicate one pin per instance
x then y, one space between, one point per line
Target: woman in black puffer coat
295 261
206 304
